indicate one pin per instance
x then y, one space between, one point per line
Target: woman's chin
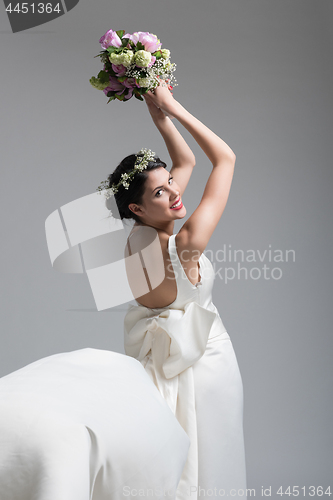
179 214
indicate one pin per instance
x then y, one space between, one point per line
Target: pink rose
119 69
110 38
148 40
130 83
153 59
129 94
115 86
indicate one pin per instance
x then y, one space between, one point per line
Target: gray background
258 72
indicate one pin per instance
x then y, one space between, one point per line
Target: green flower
126 58
142 58
165 53
144 82
95 82
115 58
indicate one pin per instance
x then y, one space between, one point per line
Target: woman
175 331
90 424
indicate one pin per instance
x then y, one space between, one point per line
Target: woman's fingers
150 103
162 99
148 99
149 94
155 112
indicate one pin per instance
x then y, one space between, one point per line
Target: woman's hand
156 113
162 98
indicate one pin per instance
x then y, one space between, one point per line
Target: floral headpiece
141 163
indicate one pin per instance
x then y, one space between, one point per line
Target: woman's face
161 192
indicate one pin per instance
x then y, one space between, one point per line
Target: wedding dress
164 420
189 356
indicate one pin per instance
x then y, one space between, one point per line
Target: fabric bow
168 344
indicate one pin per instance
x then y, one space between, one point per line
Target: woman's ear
135 209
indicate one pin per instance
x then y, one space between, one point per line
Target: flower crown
141 163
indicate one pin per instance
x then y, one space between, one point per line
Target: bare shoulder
189 254
153 277
199 227
143 237
188 246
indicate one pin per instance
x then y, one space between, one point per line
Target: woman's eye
170 178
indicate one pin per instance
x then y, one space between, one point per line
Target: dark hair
134 193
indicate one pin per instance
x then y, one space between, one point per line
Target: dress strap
177 265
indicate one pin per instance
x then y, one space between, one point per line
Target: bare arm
183 160
212 145
198 229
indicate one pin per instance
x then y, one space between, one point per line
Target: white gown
189 356
91 425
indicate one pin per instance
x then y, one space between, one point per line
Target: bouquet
133 65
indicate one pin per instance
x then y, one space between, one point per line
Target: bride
168 416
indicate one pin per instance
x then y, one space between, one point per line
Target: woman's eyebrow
158 187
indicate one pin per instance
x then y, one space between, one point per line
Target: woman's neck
167 228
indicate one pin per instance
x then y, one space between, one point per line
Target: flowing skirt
219 407
87 425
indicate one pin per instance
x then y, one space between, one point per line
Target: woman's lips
177 208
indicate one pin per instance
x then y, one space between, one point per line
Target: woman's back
179 266
177 289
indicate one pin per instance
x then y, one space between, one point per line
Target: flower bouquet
133 65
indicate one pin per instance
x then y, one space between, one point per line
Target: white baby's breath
141 164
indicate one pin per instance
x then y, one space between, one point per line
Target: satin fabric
87 425
164 421
189 356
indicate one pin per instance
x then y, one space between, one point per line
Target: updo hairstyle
119 201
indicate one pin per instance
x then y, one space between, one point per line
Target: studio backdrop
258 73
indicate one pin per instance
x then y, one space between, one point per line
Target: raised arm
183 160
197 230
